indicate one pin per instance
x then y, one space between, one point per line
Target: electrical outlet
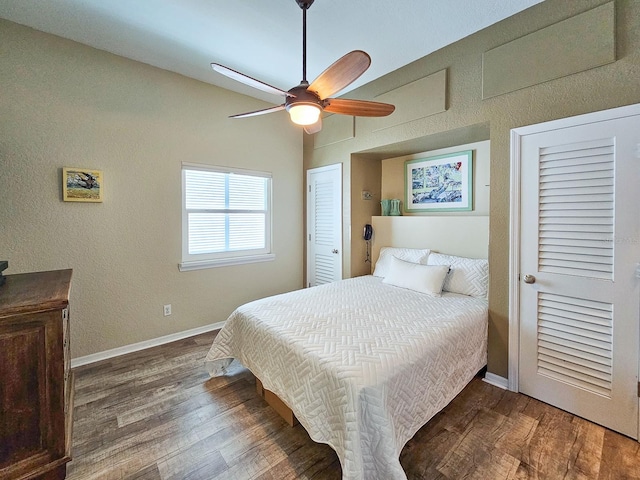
167 310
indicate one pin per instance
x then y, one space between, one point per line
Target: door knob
529 279
335 250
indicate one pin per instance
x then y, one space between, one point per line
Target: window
226 216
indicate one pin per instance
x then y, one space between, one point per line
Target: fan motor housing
302 96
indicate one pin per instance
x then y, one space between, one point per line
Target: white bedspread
363 365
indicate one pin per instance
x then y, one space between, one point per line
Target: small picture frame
82 185
437 184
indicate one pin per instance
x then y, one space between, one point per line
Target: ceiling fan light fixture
304 113
306 102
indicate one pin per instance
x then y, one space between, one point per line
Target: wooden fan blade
247 80
341 73
315 128
358 108
259 112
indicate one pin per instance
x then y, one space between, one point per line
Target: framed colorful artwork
442 183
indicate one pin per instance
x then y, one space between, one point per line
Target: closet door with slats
324 225
579 293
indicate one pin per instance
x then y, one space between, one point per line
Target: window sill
225 262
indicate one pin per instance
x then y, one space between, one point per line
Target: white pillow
413 255
468 276
427 279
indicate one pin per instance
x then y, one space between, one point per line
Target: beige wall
64 104
470 119
366 177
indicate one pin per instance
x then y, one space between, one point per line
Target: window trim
199 261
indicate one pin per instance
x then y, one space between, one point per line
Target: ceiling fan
306 102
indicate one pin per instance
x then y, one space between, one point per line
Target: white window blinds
226 215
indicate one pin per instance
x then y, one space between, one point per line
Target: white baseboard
135 347
496 380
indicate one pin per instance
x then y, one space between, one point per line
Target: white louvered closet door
580 245
324 225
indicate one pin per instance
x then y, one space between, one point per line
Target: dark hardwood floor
156 414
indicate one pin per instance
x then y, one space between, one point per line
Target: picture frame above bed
441 183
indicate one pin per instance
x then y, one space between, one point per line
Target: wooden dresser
36 385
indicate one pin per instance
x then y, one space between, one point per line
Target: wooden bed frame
278 405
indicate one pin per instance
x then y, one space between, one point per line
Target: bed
363 363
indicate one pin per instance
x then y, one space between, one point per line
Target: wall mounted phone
368 232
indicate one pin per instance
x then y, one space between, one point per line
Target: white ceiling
262 38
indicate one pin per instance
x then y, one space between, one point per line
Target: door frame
515 224
309 172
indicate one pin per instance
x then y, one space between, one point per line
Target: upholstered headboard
465 236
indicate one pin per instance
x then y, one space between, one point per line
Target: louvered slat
550 242
594 146
576 208
324 232
324 269
550 221
550 316
581 204
586 214
602 228
569 258
575 341
591 307
594 355
596 164
561 197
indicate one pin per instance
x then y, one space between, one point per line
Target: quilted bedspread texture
363 365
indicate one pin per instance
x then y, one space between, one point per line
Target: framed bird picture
82 185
